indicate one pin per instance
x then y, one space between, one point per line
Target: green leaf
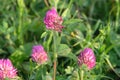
72 21
65 51
43 34
21 54
2 51
48 77
66 13
69 70
74 76
117 70
11 29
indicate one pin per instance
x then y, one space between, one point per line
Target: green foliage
88 23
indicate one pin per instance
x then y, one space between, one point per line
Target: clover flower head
87 57
6 69
53 21
39 55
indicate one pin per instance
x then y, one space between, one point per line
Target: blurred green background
88 23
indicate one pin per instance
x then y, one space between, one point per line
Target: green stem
111 67
21 7
107 77
117 15
55 55
82 74
54 73
54 44
49 41
46 3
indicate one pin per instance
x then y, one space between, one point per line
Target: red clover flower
87 57
39 55
53 21
6 69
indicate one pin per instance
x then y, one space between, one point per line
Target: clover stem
82 74
55 55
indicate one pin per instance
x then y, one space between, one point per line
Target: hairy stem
55 55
